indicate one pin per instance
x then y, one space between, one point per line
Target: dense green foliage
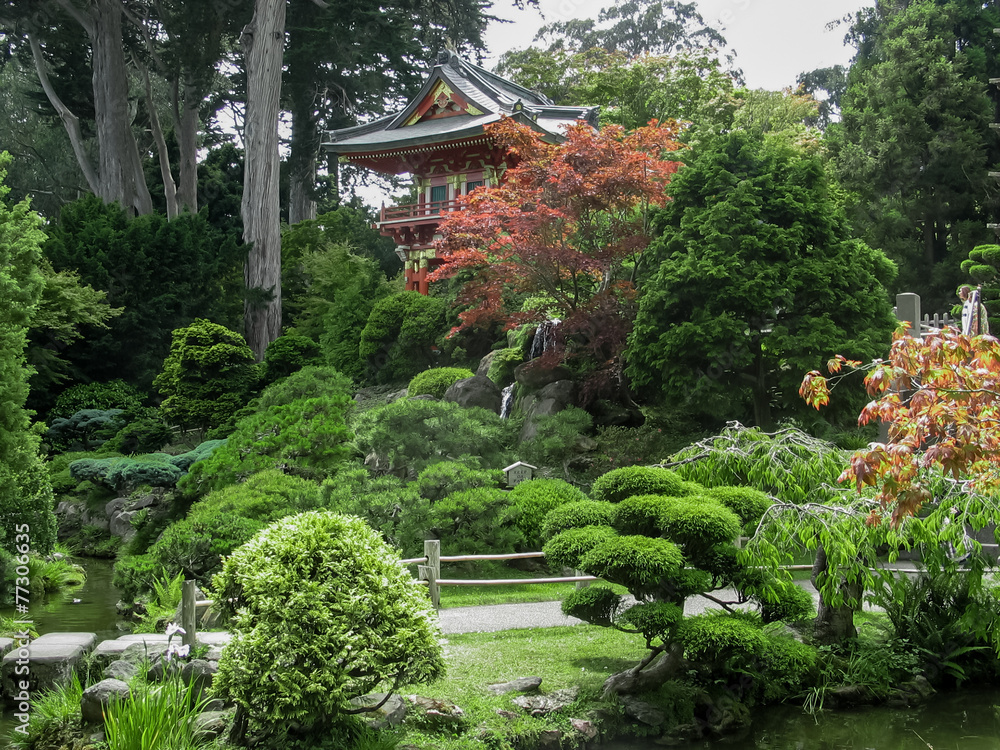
445 477
306 438
619 484
309 382
25 491
755 278
114 394
914 144
208 375
164 274
288 354
227 518
328 291
83 431
123 474
534 499
321 597
415 433
436 381
397 339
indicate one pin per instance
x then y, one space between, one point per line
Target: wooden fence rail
429 574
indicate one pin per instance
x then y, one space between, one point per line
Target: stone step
47 661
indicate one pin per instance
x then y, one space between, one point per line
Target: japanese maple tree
940 395
568 224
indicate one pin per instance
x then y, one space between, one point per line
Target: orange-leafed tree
940 398
568 223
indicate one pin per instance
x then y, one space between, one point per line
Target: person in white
974 320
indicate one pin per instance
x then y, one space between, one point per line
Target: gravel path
493 617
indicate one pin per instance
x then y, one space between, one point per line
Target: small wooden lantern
519 472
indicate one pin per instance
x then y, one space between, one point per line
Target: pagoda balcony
416 211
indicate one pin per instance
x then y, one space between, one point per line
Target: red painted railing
417 210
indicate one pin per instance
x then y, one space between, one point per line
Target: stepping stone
50 660
215 638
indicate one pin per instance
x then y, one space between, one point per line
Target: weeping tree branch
70 121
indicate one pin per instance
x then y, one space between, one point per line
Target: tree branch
79 16
70 121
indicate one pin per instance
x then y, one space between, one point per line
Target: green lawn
581 656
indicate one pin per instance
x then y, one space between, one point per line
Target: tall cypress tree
25 492
757 281
914 144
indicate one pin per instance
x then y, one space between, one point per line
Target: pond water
94 612
963 720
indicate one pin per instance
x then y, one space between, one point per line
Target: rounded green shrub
306 438
746 502
629 481
445 477
477 521
534 499
148 433
639 563
322 613
436 381
786 666
567 548
787 602
640 514
655 620
716 637
597 605
288 354
414 433
207 377
397 339
313 381
698 523
574 515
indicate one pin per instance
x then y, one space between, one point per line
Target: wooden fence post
188 614
432 551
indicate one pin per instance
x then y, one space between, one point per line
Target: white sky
774 40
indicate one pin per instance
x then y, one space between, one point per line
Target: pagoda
439 139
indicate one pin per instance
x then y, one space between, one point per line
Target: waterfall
545 338
508 401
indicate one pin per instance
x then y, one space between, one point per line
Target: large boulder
96 699
478 390
485 362
121 524
551 399
201 673
534 374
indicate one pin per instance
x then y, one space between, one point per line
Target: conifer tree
25 491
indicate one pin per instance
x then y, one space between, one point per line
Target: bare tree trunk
263 44
301 206
169 186
833 624
120 169
302 162
186 127
642 678
70 121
